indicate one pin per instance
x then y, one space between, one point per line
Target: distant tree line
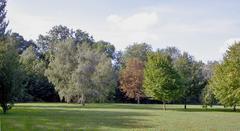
67 65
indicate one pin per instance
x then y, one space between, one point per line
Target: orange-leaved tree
131 79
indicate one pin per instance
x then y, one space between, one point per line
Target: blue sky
203 28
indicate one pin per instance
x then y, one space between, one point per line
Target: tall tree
105 47
22 44
11 75
80 72
184 65
226 78
60 34
207 97
3 22
173 52
131 79
198 82
137 50
161 80
37 86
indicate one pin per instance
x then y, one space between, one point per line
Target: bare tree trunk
164 105
234 108
138 99
185 103
4 108
83 100
79 100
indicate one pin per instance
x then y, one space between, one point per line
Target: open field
57 116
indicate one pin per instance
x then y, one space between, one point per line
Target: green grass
133 117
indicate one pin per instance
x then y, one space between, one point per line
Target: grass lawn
58 116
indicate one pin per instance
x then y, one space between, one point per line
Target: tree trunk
138 99
234 108
83 100
185 103
164 105
4 108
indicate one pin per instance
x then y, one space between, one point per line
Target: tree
3 22
137 51
22 44
183 65
225 82
198 82
161 80
80 72
208 69
207 97
37 86
11 75
60 34
131 79
173 52
105 47
191 72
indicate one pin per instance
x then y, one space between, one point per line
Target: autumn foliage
131 79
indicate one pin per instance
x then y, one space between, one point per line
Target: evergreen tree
3 22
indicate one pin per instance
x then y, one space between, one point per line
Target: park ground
133 117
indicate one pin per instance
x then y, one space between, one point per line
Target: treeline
67 65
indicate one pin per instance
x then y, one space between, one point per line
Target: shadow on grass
203 110
55 119
95 106
132 106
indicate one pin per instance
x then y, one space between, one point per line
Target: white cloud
200 32
125 30
137 22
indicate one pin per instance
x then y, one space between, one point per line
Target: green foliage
21 43
192 73
161 80
208 98
11 75
226 79
3 21
184 66
137 51
80 72
173 52
105 47
60 34
37 86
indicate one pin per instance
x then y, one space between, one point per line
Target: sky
202 28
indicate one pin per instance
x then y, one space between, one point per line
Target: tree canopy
80 71
161 80
131 79
11 75
226 78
